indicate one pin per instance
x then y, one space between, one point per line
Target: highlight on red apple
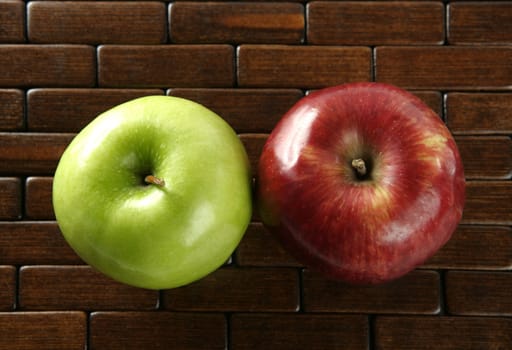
361 182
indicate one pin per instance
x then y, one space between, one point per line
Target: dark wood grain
47 65
70 110
7 287
481 22
253 144
479 113
10 198
260 248
38 198
66 330
433 99
476 248
157 330
12 107
488 202
445 68
246 110
486 157
31 153
442 333
56 22
33 243
392 23
236 22
285 66
479 293
239 289
12 21
78 288
299 331
417 293
166 66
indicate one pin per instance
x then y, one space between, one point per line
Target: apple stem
153 180
360 166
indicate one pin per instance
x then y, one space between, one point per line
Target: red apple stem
153 180
360 166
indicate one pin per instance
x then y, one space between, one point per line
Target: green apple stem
153 180
360 166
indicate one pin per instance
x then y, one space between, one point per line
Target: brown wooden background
62 62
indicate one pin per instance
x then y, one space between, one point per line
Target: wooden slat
38 198
239 289
392 23
78 288
233 22
488 202
260 248
253 144
301 66
442 333
12 106
433 99
70 110
479 293
32 243
475 248
299 331
486 157
246 110
47 65
12 19
416 293
166 66
7 288
445 67
480 22
121 22
10 198
157 330
479 113
31 153
48 330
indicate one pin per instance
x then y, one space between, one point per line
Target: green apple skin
147 235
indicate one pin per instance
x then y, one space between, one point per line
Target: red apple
361 182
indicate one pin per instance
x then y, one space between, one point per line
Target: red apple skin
370 230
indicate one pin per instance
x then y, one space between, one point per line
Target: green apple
155 193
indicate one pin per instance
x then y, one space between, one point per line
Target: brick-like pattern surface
12 19
445 67
69 110
89 22
442 332
480 23
392 23
417 292
281 66
12 108
64 62
235 22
